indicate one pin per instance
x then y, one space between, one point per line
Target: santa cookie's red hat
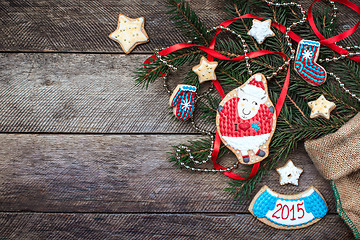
255 87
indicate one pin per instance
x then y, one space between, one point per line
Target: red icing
231 125
258 84
243 126
279 204
287 212
293 213
298 209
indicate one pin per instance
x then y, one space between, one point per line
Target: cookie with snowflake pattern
183 101
305 62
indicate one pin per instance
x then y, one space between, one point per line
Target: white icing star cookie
261 30
321 107
129 33
289 173
205 70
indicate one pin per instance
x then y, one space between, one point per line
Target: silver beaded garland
248 66
191 157
341 84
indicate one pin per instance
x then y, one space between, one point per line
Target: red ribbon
217 85
211 54
214 54
150 60
330 41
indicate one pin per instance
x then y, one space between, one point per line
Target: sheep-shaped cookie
246 120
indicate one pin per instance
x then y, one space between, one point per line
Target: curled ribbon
330 41
214 54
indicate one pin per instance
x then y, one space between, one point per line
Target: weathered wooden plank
84 26
158 226
87 93
120 173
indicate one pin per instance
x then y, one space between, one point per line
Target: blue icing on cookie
188 88
265 202
315 204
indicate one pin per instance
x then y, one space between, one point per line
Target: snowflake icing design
255 126
186 104
307 54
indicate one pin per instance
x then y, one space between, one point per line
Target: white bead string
245 49
343 87
334 12
343 56
173 68
191 157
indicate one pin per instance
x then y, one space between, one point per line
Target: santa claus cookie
246 120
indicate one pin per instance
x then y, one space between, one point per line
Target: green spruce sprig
293 124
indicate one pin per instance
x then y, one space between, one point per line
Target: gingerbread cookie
205 70
289 173
183 101
261 30
246 120
321 108
288 211
305 62
129 33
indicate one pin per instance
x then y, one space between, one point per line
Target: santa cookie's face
249 105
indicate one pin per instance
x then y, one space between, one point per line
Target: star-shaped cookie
205 70
261 30
129 33
321 107
289 173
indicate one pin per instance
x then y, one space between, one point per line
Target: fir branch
184 16
293 124
146 75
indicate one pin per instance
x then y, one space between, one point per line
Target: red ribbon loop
330 41
214 54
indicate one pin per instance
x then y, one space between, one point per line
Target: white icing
292 218
261 30
253 91
289 173
246 143
258 77
272 193
321 107
250 100
307 193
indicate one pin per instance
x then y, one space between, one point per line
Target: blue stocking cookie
305 62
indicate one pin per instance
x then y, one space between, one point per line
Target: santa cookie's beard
245 144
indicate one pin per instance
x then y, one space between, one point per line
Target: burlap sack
337 157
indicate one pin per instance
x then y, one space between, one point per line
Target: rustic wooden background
83 151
